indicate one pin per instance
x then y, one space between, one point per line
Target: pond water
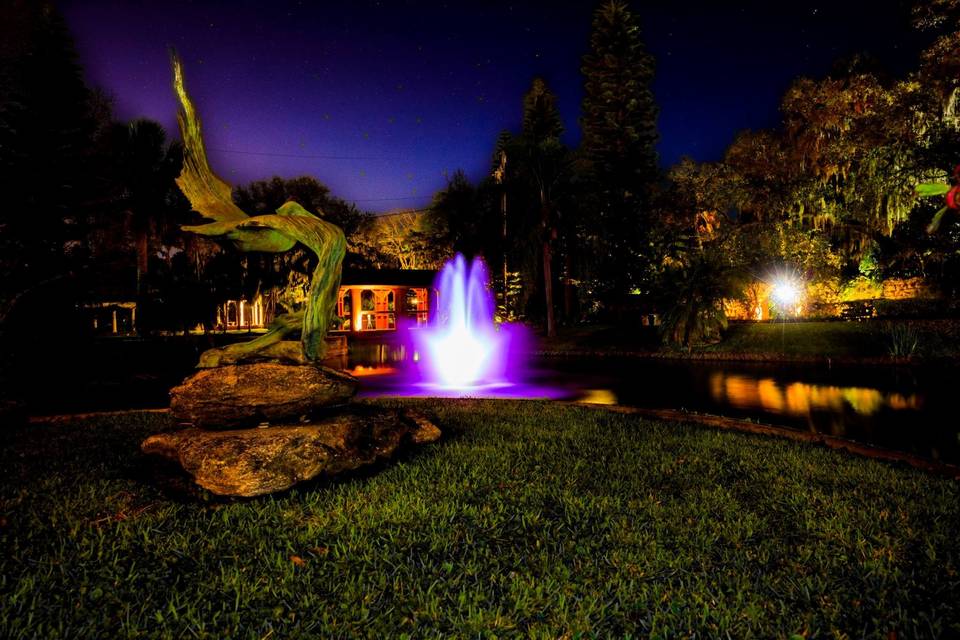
907 409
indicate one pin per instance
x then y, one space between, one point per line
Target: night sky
382 100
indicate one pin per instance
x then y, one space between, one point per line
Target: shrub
902 339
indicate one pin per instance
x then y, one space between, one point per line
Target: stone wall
907 289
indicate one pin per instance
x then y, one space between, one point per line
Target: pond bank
841 444
730 356
668 415
906 342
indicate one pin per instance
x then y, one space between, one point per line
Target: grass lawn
936 339
529 519
829 339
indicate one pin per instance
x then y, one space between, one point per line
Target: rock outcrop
261 427
252 462
241 395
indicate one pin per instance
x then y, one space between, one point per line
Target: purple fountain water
464 350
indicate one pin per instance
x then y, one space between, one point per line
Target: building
368 302
113 317
383 299
108 301
241 315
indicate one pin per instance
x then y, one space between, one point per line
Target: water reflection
363 371
800 398
905 409
598 396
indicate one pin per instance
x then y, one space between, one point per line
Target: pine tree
47 128
619 134
619 119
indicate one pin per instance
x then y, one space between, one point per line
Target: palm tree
146 168
697 287
546 161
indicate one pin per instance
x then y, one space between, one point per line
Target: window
413 300
344 317
366 300
384 300
417 304
345 303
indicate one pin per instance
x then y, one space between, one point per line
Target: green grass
871 339
935 339
528 519
830 339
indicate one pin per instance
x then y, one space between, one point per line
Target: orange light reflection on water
598 396
361 371
798 398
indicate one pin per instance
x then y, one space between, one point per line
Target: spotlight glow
786 292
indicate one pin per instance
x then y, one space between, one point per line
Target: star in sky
416 87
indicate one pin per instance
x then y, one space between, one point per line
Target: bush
902 339
696 292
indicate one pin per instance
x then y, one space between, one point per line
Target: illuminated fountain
464 351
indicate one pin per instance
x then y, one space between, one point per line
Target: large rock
248 394
252 462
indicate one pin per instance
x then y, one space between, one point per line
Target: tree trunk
548 288
548 265
548 234
506 280
142 258
568 290
142 262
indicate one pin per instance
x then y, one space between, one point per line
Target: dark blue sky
382 100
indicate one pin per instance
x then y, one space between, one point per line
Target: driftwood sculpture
276 233
310 429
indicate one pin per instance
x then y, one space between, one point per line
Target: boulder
248 394
252 462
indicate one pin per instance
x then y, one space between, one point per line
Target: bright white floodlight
786 292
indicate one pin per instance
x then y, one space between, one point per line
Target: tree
406 240
940 62
47 147
510 226
695 288
545 161
266 196
619 134
619 112
145 166
457 217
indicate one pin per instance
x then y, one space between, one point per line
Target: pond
907 409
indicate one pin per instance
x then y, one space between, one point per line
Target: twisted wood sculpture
275 233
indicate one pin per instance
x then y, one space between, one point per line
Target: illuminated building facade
382 300
368 302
